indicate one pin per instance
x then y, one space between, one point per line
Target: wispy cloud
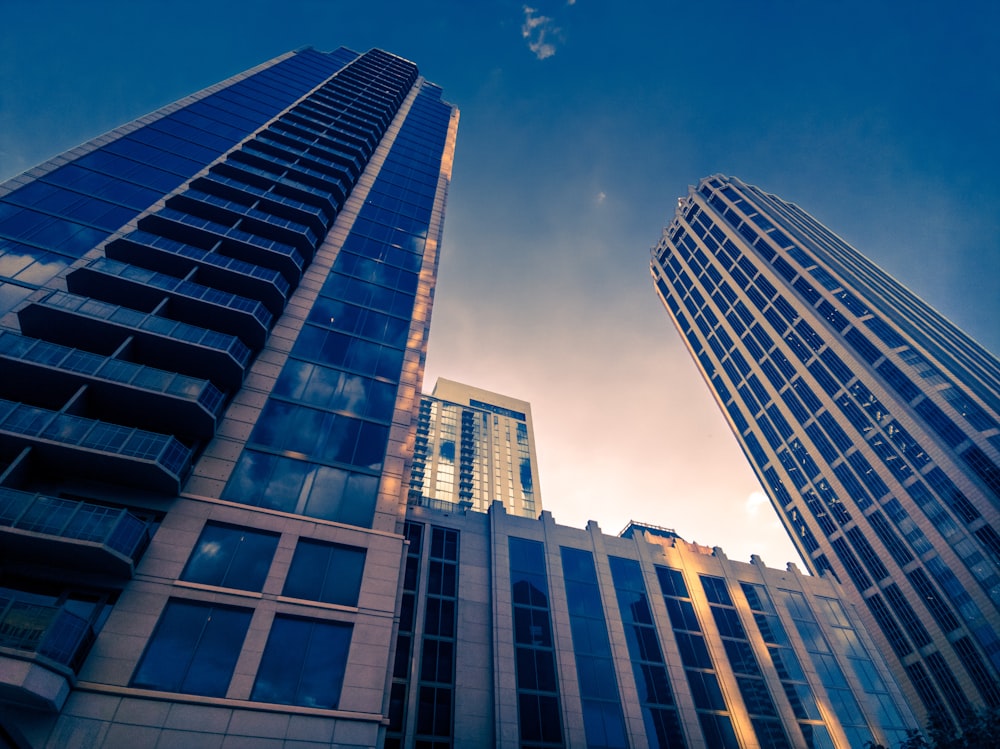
539 32
754 502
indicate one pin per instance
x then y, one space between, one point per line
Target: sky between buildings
582 122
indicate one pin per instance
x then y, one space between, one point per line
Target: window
231 557
325 572
603 721
193 649
292 485
648 666
303 663
537 689
437 663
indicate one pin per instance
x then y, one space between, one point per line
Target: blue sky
581 124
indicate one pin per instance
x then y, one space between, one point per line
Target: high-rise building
475 447
870 420
519 632
214 323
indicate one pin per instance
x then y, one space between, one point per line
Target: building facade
520 632
871 421
214 323
475 447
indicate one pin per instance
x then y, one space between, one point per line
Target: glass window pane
303 663
231 557
325 572
194 649
221 640
307 571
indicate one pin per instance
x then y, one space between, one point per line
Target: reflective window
193 649
325 572
537 688
296 486
303 663
787 666
321 435
437 660
648 667
323 387
842 700
231 557
715 721
603 721
749 676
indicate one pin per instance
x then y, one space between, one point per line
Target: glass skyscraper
872 422
216 522
213 322
475 447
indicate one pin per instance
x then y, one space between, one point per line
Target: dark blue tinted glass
231 557
303 663
325 572
194 649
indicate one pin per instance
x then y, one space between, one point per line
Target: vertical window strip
749 677
603 721
435 698
539 721
787 666
659 711
713 713
859 659
404 639
842 700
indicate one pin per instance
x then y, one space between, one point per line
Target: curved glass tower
870 419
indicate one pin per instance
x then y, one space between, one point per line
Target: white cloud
754 502
539 30
601 197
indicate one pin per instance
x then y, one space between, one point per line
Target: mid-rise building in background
872 422
214 326
475 447
523 632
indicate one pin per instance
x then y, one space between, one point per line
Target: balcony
41 646
131 286
249 218
299 119
298 160
266 199
270 180
318 152
65 532
219 271
207 234
125 392
72 320
78 446
336 189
